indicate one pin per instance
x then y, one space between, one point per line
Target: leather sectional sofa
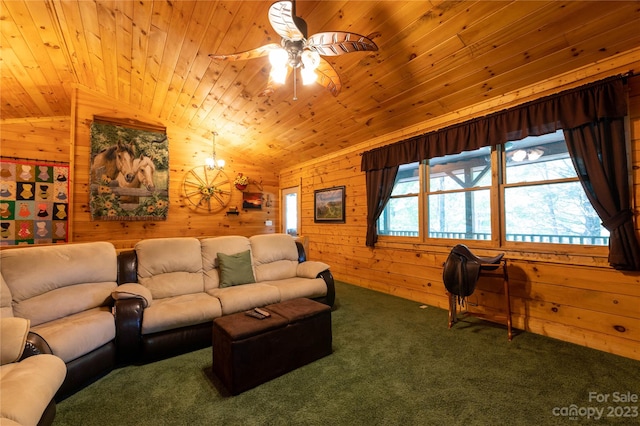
171 289
97 309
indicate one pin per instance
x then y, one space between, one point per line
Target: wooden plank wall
579 299
36 138
67 139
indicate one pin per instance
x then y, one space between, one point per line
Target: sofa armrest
302 256
133 291
128 317
127 267
330 298
36 345
311 269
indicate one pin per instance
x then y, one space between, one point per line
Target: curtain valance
569 109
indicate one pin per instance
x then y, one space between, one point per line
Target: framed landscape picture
329 205
252 200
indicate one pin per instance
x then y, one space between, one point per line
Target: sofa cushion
235 269
13 336
170 266
75 335
275 256
64 301
229 244
28 386
293 288
6 305
180 311
33 271
240 298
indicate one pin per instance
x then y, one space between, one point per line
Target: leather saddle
462 269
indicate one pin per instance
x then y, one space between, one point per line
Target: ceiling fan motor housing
294 48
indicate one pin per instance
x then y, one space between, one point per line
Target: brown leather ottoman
248 351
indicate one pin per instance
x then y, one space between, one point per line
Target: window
459 195
541 198
290 210
401 215
544 201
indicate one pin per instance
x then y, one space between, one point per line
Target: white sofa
65 293
173 288
27 384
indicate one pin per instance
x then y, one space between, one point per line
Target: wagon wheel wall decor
207 188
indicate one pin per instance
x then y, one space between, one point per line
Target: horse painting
115 160
144 170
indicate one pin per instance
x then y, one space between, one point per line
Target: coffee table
248 351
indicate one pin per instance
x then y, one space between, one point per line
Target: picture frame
252 200
329 205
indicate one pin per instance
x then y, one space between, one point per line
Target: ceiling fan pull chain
295 84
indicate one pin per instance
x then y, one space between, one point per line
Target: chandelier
212 162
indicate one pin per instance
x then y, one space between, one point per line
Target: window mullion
422 202
497 195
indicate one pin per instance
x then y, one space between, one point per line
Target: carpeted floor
394 363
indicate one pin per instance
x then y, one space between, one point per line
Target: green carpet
394 363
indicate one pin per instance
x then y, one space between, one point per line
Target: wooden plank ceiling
434 57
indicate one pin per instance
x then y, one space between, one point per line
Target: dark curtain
598 152
379 186
566 110
579 108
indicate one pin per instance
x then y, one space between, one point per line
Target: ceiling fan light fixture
310 59
519 155
278 57
279 74
534 154
309 76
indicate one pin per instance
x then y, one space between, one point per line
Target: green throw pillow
235 269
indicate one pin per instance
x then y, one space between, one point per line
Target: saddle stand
460 275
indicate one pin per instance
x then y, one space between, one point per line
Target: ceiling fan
297 51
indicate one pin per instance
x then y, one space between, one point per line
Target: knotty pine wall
573 297
67 139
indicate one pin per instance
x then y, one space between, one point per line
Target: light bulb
310 59
279 74
519 155
309 76
534 154
278 57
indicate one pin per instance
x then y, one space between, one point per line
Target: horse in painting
112 161
144 170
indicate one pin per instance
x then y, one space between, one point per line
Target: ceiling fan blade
285 23
328 77
333 43
249 54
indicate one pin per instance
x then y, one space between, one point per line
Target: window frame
498 221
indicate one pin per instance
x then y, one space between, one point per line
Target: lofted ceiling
434 57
